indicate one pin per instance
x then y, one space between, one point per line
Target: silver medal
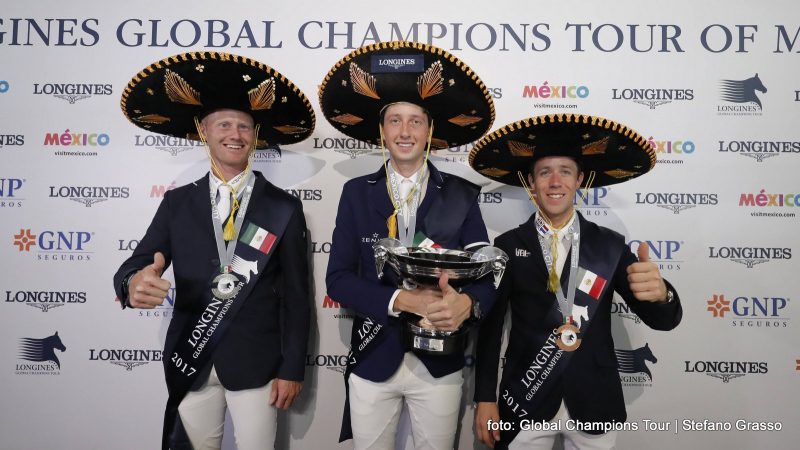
225 286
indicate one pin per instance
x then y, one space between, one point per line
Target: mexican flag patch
420 240
258 238
590 283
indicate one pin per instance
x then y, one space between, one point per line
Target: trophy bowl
422 266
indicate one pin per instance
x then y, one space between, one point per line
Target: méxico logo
769 205
726 370
750 256
746 311
672 151
50 245
329 303
741 97
633 370
127 358
39 356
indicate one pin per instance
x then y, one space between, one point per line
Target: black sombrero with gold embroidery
362 83
613 152
166 96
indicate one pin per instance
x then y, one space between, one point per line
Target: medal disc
568 339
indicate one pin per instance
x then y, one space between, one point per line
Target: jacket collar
435 176
379 197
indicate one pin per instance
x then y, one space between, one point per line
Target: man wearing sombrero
407 97
559 283
238 247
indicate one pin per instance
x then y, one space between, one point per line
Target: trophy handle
496 260
382 249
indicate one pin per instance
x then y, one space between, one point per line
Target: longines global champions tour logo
742 92
633 368
41 356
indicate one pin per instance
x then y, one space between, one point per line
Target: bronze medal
568 339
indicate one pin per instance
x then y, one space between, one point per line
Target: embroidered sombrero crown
614 152
166 96
362 83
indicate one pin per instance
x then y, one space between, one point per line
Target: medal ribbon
226 257
565 303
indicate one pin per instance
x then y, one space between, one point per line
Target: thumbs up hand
451 310
146 288
645 279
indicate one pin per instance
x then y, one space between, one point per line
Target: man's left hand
645 279
448 313
284 393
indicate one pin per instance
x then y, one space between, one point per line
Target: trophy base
432 342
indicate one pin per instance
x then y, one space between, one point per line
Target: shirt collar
544 229
214 182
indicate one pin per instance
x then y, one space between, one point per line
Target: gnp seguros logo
10 192
746 311
52 245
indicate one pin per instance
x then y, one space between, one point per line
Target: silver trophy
422 267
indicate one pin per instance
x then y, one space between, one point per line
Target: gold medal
568 339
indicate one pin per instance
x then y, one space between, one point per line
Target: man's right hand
485 412
416 301
146 288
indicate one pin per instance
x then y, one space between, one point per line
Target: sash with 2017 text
227 291
528 380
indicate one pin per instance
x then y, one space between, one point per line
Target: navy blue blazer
352 279
268 338
590 385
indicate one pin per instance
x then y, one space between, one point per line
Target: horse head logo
244 267
633 361
743 91
579 314
39 350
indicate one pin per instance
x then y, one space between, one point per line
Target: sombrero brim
358 86
612 151
166 96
